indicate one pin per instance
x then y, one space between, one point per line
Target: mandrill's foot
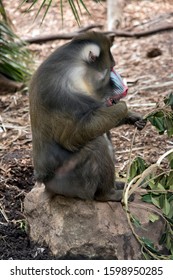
112 195
119 185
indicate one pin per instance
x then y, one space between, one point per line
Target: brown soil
134 60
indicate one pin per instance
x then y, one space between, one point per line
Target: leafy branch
156 185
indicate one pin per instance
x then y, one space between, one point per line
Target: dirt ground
133 60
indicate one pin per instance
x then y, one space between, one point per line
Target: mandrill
73 105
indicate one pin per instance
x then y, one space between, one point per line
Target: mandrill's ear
92 57
90 52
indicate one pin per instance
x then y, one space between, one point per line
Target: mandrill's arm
134 119
72 133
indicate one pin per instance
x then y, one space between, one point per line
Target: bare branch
45 38
119 33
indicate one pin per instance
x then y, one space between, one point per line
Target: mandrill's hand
140 124
136 119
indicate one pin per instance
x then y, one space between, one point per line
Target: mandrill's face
119 89
96 76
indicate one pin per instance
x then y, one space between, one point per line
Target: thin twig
157 86
3 213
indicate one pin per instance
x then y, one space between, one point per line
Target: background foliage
14 57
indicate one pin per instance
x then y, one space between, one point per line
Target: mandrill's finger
140 124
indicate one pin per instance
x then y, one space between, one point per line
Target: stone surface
73 228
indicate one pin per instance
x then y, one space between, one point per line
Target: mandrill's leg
91 176
69 186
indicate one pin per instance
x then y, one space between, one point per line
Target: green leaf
152 184
161 201
171 163
166 207
162 239
170 158
157 120
169 99
133 170
171 249
153 217
170 215
170 179
149 244
168 242
137 167
162 180
147 241
160 187
159 114
147 198
170 199
135 220
168 123
159 124
155 201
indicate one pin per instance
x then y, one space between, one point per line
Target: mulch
136 62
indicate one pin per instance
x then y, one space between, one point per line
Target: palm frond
3 12
14 57
75 6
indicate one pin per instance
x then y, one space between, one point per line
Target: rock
9 86
76 229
